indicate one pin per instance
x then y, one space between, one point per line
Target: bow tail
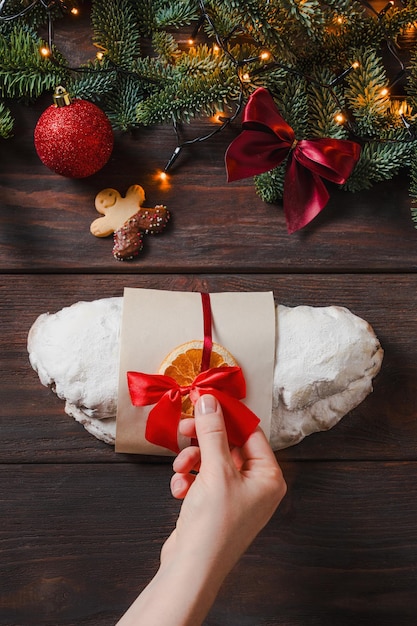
163 420
305 195
239 420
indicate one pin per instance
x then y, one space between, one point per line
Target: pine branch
413 186
324 105
176 14
198 84
184 100
23 70
266 23
270 185
145 16
156 72
364 93
379 161
34 18
116 30
93 81
291 98
120 104
411 83
397 20
6 122
166 47
149 76
308 14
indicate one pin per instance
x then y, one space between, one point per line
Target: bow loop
267 140
227 379
149 388
227 384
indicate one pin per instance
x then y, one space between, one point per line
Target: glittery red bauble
75 140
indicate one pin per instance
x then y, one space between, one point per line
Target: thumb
210 428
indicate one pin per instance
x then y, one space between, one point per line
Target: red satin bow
267 140
227 384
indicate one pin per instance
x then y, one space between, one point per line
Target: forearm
225 505
180 594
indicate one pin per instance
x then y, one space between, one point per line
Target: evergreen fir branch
347 7
203 60
145 16
270 185
413 210
323 107
154 15
413 186
264 22
308 14
120 104
397 20
226 22
291 99
379 161
364 93
6 122
176 14
189 98
155 72
34 18
335 49
24 72
413 174
166 47
411 82
116 30
363 32
93 80
200 81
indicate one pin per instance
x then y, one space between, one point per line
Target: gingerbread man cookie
127 220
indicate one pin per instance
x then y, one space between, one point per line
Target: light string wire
223 44
348 123
238 63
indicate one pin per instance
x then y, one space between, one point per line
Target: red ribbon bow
267 140
227 384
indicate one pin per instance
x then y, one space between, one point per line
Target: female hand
230 499
229 495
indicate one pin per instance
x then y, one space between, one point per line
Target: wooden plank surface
82 526
340 550
216 226
384 426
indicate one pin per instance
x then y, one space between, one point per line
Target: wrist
191 582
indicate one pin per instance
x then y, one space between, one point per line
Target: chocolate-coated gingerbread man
127 220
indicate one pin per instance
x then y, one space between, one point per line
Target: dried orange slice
183 364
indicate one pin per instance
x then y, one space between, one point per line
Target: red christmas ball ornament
73 138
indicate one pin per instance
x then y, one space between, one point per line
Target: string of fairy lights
245 77
270 63
247 69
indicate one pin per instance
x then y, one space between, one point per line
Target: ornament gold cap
61 97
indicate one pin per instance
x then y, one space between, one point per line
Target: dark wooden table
81 527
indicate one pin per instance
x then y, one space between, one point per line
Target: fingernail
176 486
207 404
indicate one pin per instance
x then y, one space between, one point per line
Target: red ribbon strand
227 384
207 324
267 140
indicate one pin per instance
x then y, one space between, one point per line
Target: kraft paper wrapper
155 322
